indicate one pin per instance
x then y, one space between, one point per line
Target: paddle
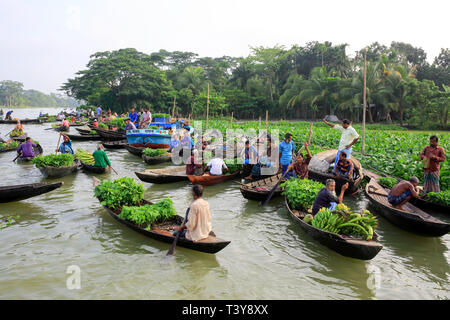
113 170
57 146
20 153
279 181
174 244
9 132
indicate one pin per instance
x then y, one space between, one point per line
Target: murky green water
269 256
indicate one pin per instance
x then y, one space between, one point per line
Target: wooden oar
174 244
9 132
20 153
113 170
57 146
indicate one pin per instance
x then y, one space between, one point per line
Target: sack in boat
426 162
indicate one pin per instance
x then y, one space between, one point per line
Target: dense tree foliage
308 81
12 94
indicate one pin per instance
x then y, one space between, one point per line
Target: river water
269 257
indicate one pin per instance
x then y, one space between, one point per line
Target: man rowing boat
198 222
66 146
402 192
26 150
100 157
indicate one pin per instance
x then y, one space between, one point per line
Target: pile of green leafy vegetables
9 145
102 125
388 182
160 115
301 193
120 192
442 197
118 123
148 214
53 160
154 152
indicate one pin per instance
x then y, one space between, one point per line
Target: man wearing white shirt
349 137
216 165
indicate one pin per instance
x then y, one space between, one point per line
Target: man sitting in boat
301 163
194 165
100 157
95 123
133 116
26 149
65 123
198 223
66 146
146 120
344 167
130 125
216 165
326 198
19 126
402 192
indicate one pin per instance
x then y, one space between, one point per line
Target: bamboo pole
363 148
173 109
267 121
207 109
231 120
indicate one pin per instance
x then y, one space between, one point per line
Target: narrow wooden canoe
208 180
426 204
94 169
20 138
137 151
110 135
62 129
346 246
58 172
165 175
329 156
86 137
260 189
24 121
163 232
25 191
115 144
37 151
412 219
155 160
8 149
83 131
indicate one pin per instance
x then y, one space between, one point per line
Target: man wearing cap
349 137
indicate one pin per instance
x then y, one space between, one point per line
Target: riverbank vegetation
306 82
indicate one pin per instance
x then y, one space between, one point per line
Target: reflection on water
269 256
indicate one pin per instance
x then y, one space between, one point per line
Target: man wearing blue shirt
133 116
99 111
286 151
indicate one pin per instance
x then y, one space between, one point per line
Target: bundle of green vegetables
84 156
102 125
388 182
154 152
9 145
343 221
118 123
148 214
120 192
160 115
442 197
16 133
53 160
301 193
92 132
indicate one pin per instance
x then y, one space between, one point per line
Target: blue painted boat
150 138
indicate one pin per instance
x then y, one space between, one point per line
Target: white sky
44 42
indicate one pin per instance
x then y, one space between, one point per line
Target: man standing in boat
402 192
133 116
325 197
349 137
198 224
286 155
431 156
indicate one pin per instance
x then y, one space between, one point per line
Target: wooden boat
37 151
115 144
20 138
166 175
8 149
58 172
426 204
110 135
329 156
78 124
208 180
83 131
76 137
25 191
24 121
411 219
260 189
163 232
159 159
93 169
137 151
344 245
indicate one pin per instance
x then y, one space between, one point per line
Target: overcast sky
44 42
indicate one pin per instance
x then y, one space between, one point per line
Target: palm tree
193 79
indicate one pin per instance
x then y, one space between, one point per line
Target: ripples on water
269 256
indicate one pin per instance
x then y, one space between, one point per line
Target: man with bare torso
402 192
